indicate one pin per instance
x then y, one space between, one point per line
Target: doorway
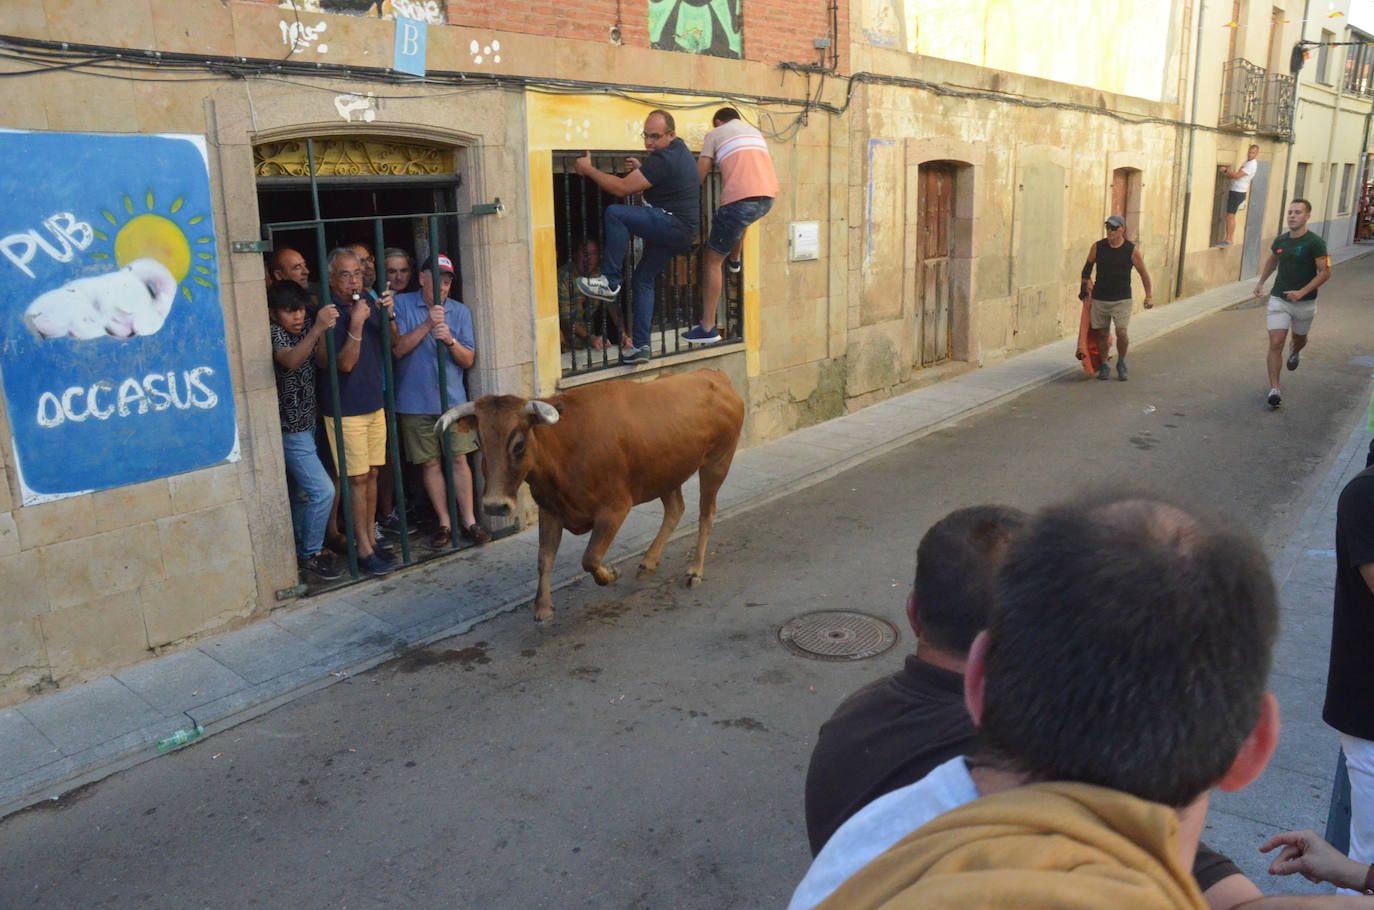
935 236
1126 199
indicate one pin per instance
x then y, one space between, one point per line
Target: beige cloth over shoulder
1058 845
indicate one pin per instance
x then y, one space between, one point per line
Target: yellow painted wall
557 122
1119 46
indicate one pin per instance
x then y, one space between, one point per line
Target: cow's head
503 425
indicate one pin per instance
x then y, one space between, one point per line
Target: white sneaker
598 287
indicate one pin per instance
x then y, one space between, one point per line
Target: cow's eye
517 447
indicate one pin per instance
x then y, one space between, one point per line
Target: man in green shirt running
1303 266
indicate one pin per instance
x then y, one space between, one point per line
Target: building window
1347 179
590 330
1359 66
1300 180
1324 57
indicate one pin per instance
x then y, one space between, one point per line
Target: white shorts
1283 313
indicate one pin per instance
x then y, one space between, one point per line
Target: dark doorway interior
403 211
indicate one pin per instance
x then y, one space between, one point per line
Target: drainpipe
1192 137
1330 146
1292 127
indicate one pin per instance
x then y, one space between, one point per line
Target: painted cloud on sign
132 301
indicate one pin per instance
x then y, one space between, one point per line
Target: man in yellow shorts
358 353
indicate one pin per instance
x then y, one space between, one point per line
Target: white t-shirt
1241 184
877 827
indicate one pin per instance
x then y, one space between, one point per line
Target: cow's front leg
672 513
550 534
603 532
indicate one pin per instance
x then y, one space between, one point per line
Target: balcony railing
1241 84
1254 100
1276 105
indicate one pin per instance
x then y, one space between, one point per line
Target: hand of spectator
1259 289
359 312
327 316
1293 296
1315 859
387 301
631 163
441 333
584 164
436 316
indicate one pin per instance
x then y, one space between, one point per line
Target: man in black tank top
1115 257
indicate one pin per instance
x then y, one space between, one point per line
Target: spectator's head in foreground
956 573
1129 649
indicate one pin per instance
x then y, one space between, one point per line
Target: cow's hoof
545 620
692 580
645 571
605 575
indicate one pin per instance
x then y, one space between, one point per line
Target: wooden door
936 233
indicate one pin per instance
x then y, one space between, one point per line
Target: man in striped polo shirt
748 185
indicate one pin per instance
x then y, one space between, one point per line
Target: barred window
591 330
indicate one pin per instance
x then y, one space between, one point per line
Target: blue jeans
731 220
665 235
312 492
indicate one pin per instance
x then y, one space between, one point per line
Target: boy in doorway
295 338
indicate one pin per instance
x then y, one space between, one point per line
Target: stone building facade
941 185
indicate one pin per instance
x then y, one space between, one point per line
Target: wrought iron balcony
1241 85
1254 100
1276 105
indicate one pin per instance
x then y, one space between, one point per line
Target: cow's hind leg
603 532
550 535
672 514
710 477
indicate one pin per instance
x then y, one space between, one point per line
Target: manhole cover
837 635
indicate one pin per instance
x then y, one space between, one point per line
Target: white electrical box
804 240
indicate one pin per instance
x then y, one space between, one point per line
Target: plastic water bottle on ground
179 738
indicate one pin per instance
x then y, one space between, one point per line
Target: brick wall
775 31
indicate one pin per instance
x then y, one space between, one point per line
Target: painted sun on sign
154 256
112 341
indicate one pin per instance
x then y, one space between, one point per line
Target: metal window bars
589 328
439 232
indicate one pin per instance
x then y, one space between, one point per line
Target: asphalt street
648 749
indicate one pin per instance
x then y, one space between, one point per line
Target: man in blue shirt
422 327
358 350
668 221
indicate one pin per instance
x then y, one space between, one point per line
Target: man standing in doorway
288 265
358 346
1303 265
1240 188
1114 256
424 321
748 185
668 222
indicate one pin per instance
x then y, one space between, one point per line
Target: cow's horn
542 411
453 415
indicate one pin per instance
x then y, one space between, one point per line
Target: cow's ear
541 412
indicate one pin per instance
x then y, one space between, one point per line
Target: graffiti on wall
431 11
696 27
112 339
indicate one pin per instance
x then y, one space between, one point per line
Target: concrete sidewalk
59 741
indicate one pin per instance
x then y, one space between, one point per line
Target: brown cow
592 453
